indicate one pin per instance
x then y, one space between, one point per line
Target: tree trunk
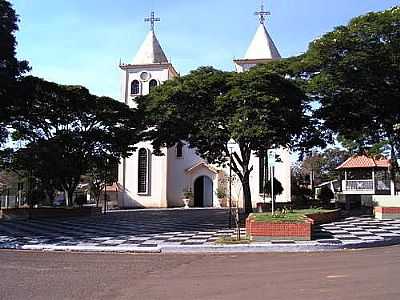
248 206
66 197
70 195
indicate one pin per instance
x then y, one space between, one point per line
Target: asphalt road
362 274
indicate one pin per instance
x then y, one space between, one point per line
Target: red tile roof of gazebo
363 161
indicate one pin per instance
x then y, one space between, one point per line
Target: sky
81 42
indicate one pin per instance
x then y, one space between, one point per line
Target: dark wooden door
199 192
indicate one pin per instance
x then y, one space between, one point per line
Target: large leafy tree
354 71
67 131
210 109
10 67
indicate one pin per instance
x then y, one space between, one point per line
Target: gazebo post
373 179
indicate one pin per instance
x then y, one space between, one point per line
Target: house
363 177
147 180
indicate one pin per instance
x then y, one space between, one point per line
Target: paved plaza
178 229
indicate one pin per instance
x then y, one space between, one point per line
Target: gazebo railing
359 185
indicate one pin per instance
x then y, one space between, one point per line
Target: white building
147 180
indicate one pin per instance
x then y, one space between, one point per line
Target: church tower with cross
262 48
142 176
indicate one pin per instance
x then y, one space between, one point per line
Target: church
149 181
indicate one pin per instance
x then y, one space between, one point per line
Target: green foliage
278 188
67 132
292 217
100 174
208 108
354 71
187 193
221 192
10 67
325 194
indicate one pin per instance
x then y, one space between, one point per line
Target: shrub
325 195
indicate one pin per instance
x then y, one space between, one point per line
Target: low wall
267 231
387 212
39 213
386 201
325 217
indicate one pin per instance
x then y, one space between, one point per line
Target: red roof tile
363 161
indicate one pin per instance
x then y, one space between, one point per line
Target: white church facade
150 181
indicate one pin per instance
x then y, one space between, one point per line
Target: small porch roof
199 165
363 161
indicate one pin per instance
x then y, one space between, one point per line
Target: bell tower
149 68
142 175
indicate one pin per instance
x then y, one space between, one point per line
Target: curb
111 249
249 248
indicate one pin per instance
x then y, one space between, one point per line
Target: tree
209 109
354 71
67 131
278 188
100 175
332 158
10 67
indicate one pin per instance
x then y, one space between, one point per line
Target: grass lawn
296 216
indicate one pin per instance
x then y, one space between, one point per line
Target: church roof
262 46
150 52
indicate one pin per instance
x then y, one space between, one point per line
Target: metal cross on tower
262 13
152 20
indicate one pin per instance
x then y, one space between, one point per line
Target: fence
11 201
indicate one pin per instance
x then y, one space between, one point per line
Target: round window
145 76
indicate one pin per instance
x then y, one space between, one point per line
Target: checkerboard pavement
130 228
150 229
356 230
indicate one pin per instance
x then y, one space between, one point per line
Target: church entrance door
203 192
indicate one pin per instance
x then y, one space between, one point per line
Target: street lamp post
230 187
105 187
231 144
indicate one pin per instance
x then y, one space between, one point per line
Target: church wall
177 179
282 173
156 196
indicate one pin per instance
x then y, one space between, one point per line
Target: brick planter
387 212
266 231
324 217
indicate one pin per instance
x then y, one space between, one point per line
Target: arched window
263 171
135 87
143 171
152 84
179 150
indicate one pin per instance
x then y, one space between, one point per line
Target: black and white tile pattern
169 228
357 230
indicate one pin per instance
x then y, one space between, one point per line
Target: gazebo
362 174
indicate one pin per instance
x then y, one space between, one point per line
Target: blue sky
82 41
